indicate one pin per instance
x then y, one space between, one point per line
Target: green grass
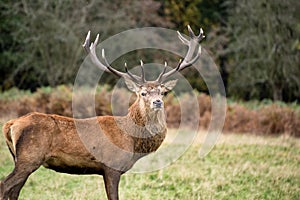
239 167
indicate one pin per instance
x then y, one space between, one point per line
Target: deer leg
29 156
14 193
13 183
1 190
111 181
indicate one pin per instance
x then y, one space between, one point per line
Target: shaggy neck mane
150 128
153 120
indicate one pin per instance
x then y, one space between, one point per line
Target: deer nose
157 102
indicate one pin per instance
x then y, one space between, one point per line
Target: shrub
271 118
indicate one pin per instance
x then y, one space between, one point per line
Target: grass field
239 167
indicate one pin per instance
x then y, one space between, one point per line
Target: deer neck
153 121
150 128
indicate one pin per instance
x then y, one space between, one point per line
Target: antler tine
191 32
142 72
86 44
182 39
133 77
183 64
159 79
90 48
195 37
189 58
114 71
201 34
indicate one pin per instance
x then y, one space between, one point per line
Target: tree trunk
277 92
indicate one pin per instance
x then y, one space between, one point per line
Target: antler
188 60
90 48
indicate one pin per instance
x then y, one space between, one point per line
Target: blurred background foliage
254 43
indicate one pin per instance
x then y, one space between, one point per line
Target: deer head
149 93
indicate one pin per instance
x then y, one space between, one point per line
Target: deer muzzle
157 104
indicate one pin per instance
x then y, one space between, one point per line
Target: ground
239 167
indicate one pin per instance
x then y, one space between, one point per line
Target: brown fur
104 145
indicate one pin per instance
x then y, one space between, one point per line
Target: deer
53 141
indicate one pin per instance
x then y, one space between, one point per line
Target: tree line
255 43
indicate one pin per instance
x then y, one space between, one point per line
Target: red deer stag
53 141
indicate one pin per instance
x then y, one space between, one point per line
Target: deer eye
144 94
163 93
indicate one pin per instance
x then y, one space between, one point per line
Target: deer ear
170 84
132 86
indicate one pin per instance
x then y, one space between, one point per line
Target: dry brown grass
268 119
